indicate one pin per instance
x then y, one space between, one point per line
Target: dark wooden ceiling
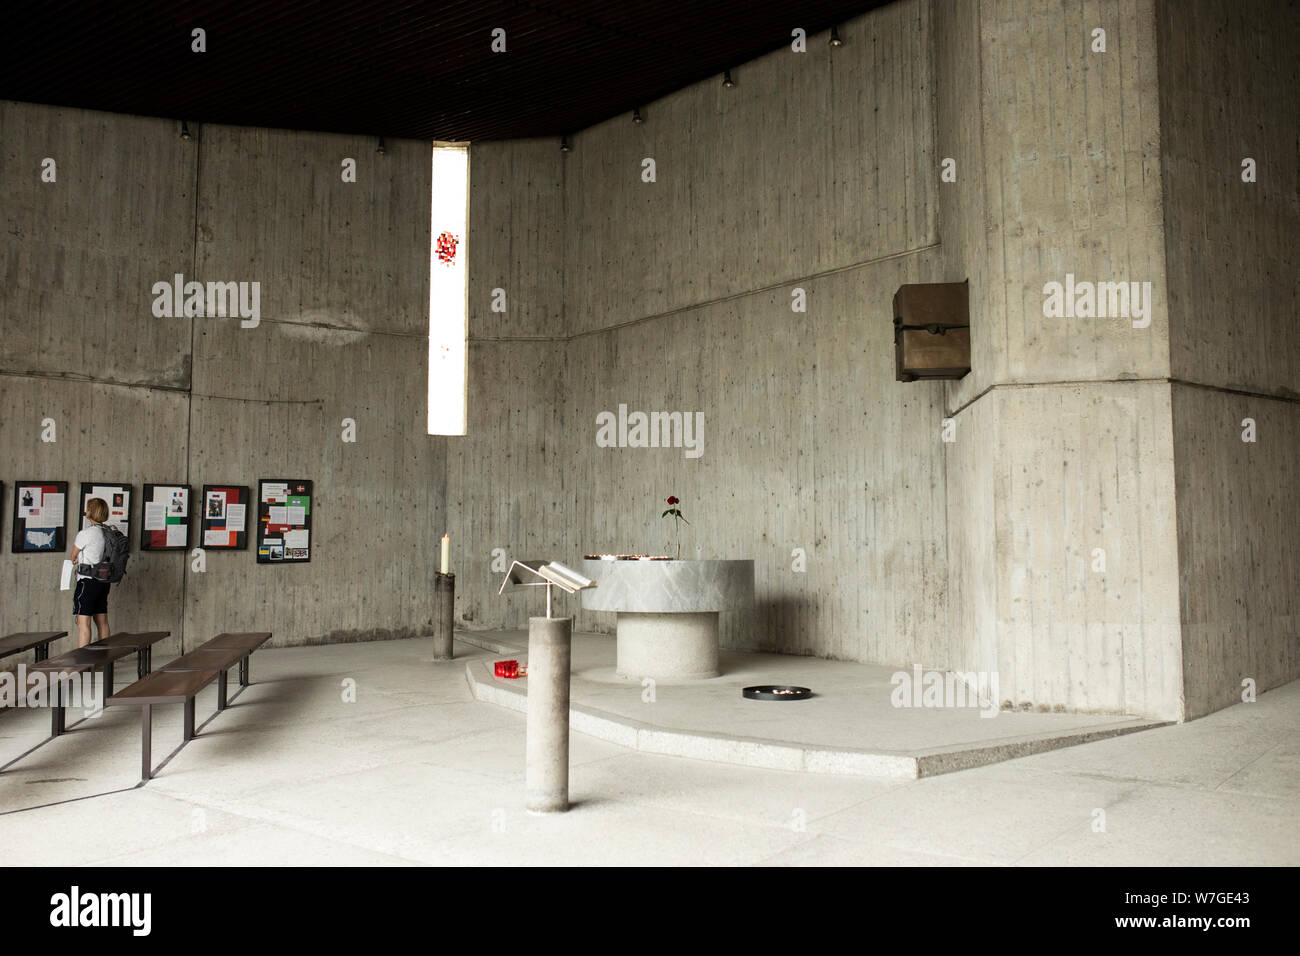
387 67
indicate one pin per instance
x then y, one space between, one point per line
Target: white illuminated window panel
448 291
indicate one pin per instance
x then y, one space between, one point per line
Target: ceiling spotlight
636 116
382 148
185 130
564 145
835 37
727 81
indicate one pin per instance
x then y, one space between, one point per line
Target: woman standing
90 597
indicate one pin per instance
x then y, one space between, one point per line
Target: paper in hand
65 582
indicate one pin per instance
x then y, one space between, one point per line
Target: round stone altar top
659 586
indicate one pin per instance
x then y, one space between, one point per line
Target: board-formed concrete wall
676 295
1049 540
343 273
1228 76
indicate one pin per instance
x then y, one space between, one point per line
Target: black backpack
116 552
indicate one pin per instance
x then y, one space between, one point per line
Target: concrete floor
417 771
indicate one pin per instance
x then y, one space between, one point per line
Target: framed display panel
118 497
40 516
284 515
223 517
165 518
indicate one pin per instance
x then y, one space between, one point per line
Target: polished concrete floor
416 771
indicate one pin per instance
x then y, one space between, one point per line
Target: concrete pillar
547 773
444 615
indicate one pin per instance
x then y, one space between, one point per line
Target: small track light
185 130
727 81
636 116
564 145
835 37
382 149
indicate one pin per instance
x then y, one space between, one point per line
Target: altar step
849 727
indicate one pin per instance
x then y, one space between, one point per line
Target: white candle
446 552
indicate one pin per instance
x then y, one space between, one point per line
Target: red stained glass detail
446 248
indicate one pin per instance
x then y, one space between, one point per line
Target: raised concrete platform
848 727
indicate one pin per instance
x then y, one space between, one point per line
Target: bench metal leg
243 671
57 723
42 652
189 718
140 669
221 691
58 712
146 732
108 679
148 660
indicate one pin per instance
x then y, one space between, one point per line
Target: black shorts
90 597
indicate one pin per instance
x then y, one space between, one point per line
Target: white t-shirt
91 542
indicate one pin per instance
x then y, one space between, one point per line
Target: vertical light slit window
448 291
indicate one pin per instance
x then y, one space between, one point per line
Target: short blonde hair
97 510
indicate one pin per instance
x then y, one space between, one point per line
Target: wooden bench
17 643
143 643
100 654
219 659
179 682
65 666
249 642
162 687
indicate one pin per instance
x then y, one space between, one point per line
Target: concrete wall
1050 541
676 296
1228 75
343 271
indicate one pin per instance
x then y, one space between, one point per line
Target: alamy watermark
1098 300
651 430
49 689
945 689
181 299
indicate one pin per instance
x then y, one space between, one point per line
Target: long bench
40 640
142 642
101 655
162 687
179 682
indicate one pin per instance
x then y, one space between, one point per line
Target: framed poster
283 520
119 504
40 516
223 517
165 518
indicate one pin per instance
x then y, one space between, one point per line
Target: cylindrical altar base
676 646
547 748
444 615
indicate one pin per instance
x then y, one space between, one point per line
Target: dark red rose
672 499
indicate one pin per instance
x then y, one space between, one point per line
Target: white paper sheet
296 539
155 516
295 514
278 514
65 580
235 516
176 536
52 510
216 536
275 491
